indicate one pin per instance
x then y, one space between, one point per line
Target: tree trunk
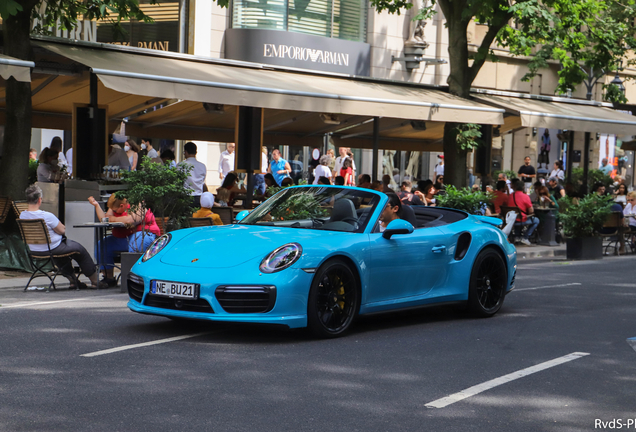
454 158
14 165
459 83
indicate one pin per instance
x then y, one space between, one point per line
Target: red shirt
122 232
501 199
150 224
344 172
521 200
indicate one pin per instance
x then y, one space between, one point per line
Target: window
341 19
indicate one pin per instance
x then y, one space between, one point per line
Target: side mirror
241 215
397 226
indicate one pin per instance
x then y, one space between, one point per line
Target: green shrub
464 199
584 217
593 176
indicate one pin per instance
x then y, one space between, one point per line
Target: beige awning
18 69
583 117
174 76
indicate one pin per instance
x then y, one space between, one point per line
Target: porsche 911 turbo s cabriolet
317 257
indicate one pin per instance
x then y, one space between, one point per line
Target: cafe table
101 228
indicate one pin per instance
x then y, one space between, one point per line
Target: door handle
439 249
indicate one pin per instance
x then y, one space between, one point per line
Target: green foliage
613 94
9 8
299 205
593 176
33 171
585 217
468 135
160 188
587 37
464 199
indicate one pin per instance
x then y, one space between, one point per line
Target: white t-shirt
265 164
558 174
69 159
630 209
226 162
152 154
321 171
439 170
51 222
197 175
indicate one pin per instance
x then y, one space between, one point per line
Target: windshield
313 207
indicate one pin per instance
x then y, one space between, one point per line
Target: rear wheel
488 282
334 300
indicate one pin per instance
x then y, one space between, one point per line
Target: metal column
376 145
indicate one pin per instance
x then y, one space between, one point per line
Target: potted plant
464 199
161 189
582 219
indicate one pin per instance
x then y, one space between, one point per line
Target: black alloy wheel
488 283
334 300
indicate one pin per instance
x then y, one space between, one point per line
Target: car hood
232 245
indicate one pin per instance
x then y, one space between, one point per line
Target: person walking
527 173
278 167
196 178
146 144
132 149
439 168
226 161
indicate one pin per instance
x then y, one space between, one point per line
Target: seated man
392 211
59 244
501 196
207 202
521 200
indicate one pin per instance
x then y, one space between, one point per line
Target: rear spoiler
489 220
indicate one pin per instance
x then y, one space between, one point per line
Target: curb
545 253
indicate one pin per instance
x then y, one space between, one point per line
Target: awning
173 76
564 115
18 69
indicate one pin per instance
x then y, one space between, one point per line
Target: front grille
135 287
246 299
199 305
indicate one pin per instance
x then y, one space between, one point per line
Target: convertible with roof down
315 256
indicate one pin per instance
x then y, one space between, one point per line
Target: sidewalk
12 279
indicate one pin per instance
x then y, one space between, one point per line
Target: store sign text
305 54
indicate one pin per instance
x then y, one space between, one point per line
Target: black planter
585 248
128 259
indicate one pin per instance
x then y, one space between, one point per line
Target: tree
585 36
17 16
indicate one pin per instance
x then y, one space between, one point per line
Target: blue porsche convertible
317 257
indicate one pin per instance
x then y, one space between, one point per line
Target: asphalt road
380 377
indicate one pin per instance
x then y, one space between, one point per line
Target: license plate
174 289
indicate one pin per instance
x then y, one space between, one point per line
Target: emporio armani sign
305 54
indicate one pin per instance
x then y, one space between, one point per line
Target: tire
334 300
488 283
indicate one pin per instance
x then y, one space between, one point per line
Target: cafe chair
225 213
19 207
5 207
612 229
200 222
34 231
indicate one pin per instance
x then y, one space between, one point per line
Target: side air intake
463 243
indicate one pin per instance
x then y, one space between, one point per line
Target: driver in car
392 211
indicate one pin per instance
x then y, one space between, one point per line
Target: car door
405 265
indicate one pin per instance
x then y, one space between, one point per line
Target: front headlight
281 258
156 246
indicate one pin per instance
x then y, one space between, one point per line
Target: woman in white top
132 149
322 170
630 211
620 194
558 171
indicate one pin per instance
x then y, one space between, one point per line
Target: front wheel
334 300
488 283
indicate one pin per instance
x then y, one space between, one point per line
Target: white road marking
548 286
144 344
52 302
479 388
